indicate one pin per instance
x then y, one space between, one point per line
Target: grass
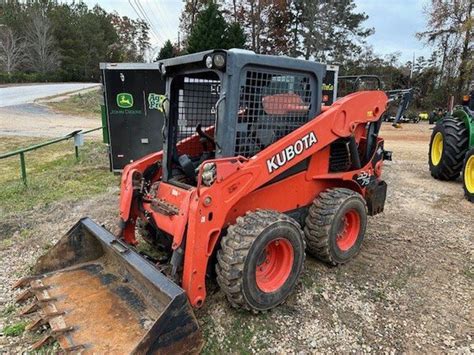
8 310
240 337
53 174
402 278
14 330
82 104
469 272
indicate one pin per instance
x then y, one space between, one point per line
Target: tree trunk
234 4
252 19
464 55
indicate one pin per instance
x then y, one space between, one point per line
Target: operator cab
232 103
348 84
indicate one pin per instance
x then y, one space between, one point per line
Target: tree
235 36
332 30
209 30
43 56
188 17
12 49
449 29
276 35
255 16
96 35
167 51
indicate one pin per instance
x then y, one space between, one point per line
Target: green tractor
452 146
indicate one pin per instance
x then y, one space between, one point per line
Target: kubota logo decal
290 152
124 100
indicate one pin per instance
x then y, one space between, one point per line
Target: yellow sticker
370 114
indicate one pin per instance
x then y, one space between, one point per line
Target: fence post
23 168
78 142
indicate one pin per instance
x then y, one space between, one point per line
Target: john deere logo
124 100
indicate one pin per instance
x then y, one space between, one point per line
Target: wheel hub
469 174
437 148
348 231
274 265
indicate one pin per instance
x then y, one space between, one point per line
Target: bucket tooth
32 307
46 299
24 296
97 295
42 294
74 348
43 341
24 281
61 331
38 285
39 288
35 323
50 315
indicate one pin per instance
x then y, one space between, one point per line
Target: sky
395 21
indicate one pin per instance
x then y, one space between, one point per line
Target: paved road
23 94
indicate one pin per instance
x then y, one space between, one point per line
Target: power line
164 29
144 20
161 29
147 19
164 19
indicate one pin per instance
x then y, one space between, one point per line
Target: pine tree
188 17
167 51
235 36
209 30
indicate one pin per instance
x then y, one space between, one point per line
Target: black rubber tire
431 119
469 195
455 145
323 223
240 249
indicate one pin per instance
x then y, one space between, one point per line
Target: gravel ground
409 290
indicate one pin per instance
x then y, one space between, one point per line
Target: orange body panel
242 184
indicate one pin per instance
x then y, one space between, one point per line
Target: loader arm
210 206
132 185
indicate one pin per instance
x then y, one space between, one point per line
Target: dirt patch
409 290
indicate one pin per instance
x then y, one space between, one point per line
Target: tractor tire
260 260
468 175
448 146
335 225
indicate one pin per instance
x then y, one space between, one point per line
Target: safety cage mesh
196 105
272 105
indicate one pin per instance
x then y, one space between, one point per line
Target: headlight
209 61
219 60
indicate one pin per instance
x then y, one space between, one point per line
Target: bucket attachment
99 296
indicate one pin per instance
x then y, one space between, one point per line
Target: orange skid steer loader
254 171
